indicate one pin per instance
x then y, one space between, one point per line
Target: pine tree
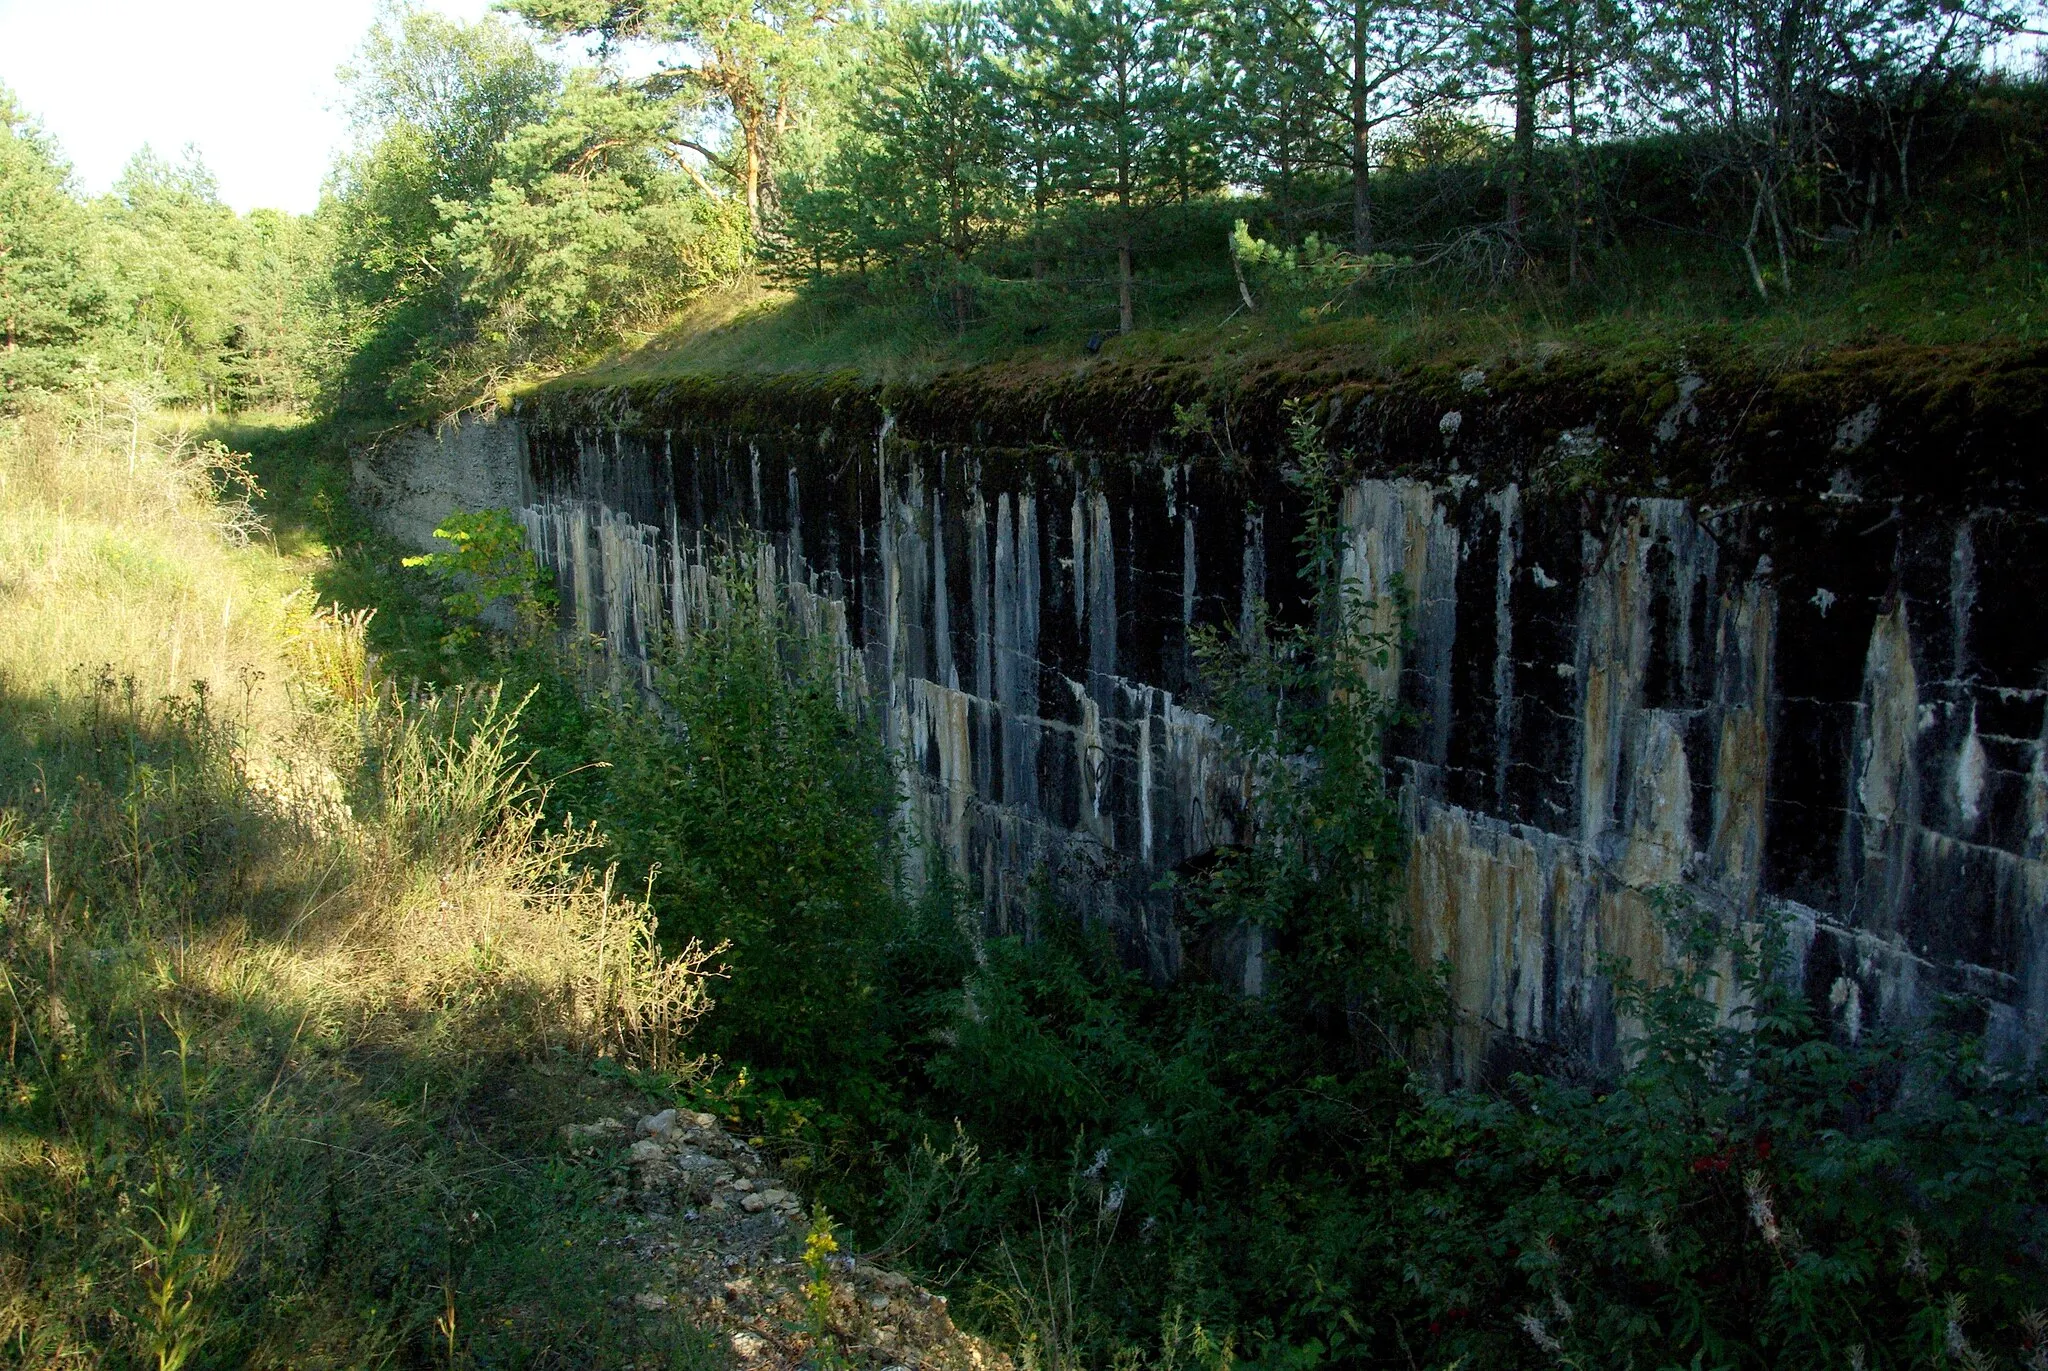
50 295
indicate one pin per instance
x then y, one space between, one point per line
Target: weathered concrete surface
416 478
1829 704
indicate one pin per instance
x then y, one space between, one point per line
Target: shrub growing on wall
761 807
1772 1187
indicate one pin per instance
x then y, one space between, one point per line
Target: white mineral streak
1746 645
942 617
2035 844
942 751
1079 535
1015 649
1100 590
1496 901
1091 764
1887 770
1253 582
1971 766
1507 507
1400 556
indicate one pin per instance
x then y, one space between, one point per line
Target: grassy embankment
299 985
1964 266
1930 291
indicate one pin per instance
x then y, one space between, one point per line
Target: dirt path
720 1240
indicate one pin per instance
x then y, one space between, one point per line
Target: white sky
250 82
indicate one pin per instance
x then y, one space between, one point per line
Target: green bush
489 571
1763 1189
759 807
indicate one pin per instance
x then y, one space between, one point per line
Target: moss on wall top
1962 424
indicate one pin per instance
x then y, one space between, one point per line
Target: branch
722 163
581 166
697 176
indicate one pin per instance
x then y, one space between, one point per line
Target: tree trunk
1578 188
1124 190
1039 171
1283 207
1784 247
1756 275
1125 321
1521 179
1578 214
750 135
1361 138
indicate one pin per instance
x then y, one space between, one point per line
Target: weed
820 1246
173 1272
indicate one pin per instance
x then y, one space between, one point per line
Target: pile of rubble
721 1241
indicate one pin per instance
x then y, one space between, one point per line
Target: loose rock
710 1222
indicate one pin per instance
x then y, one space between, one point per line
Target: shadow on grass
216 1147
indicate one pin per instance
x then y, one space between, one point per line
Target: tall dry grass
267 932
141 557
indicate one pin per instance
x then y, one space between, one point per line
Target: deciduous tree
590 225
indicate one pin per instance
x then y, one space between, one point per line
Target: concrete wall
416 478
1832 708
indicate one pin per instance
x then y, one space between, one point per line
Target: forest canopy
521 192
157 284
